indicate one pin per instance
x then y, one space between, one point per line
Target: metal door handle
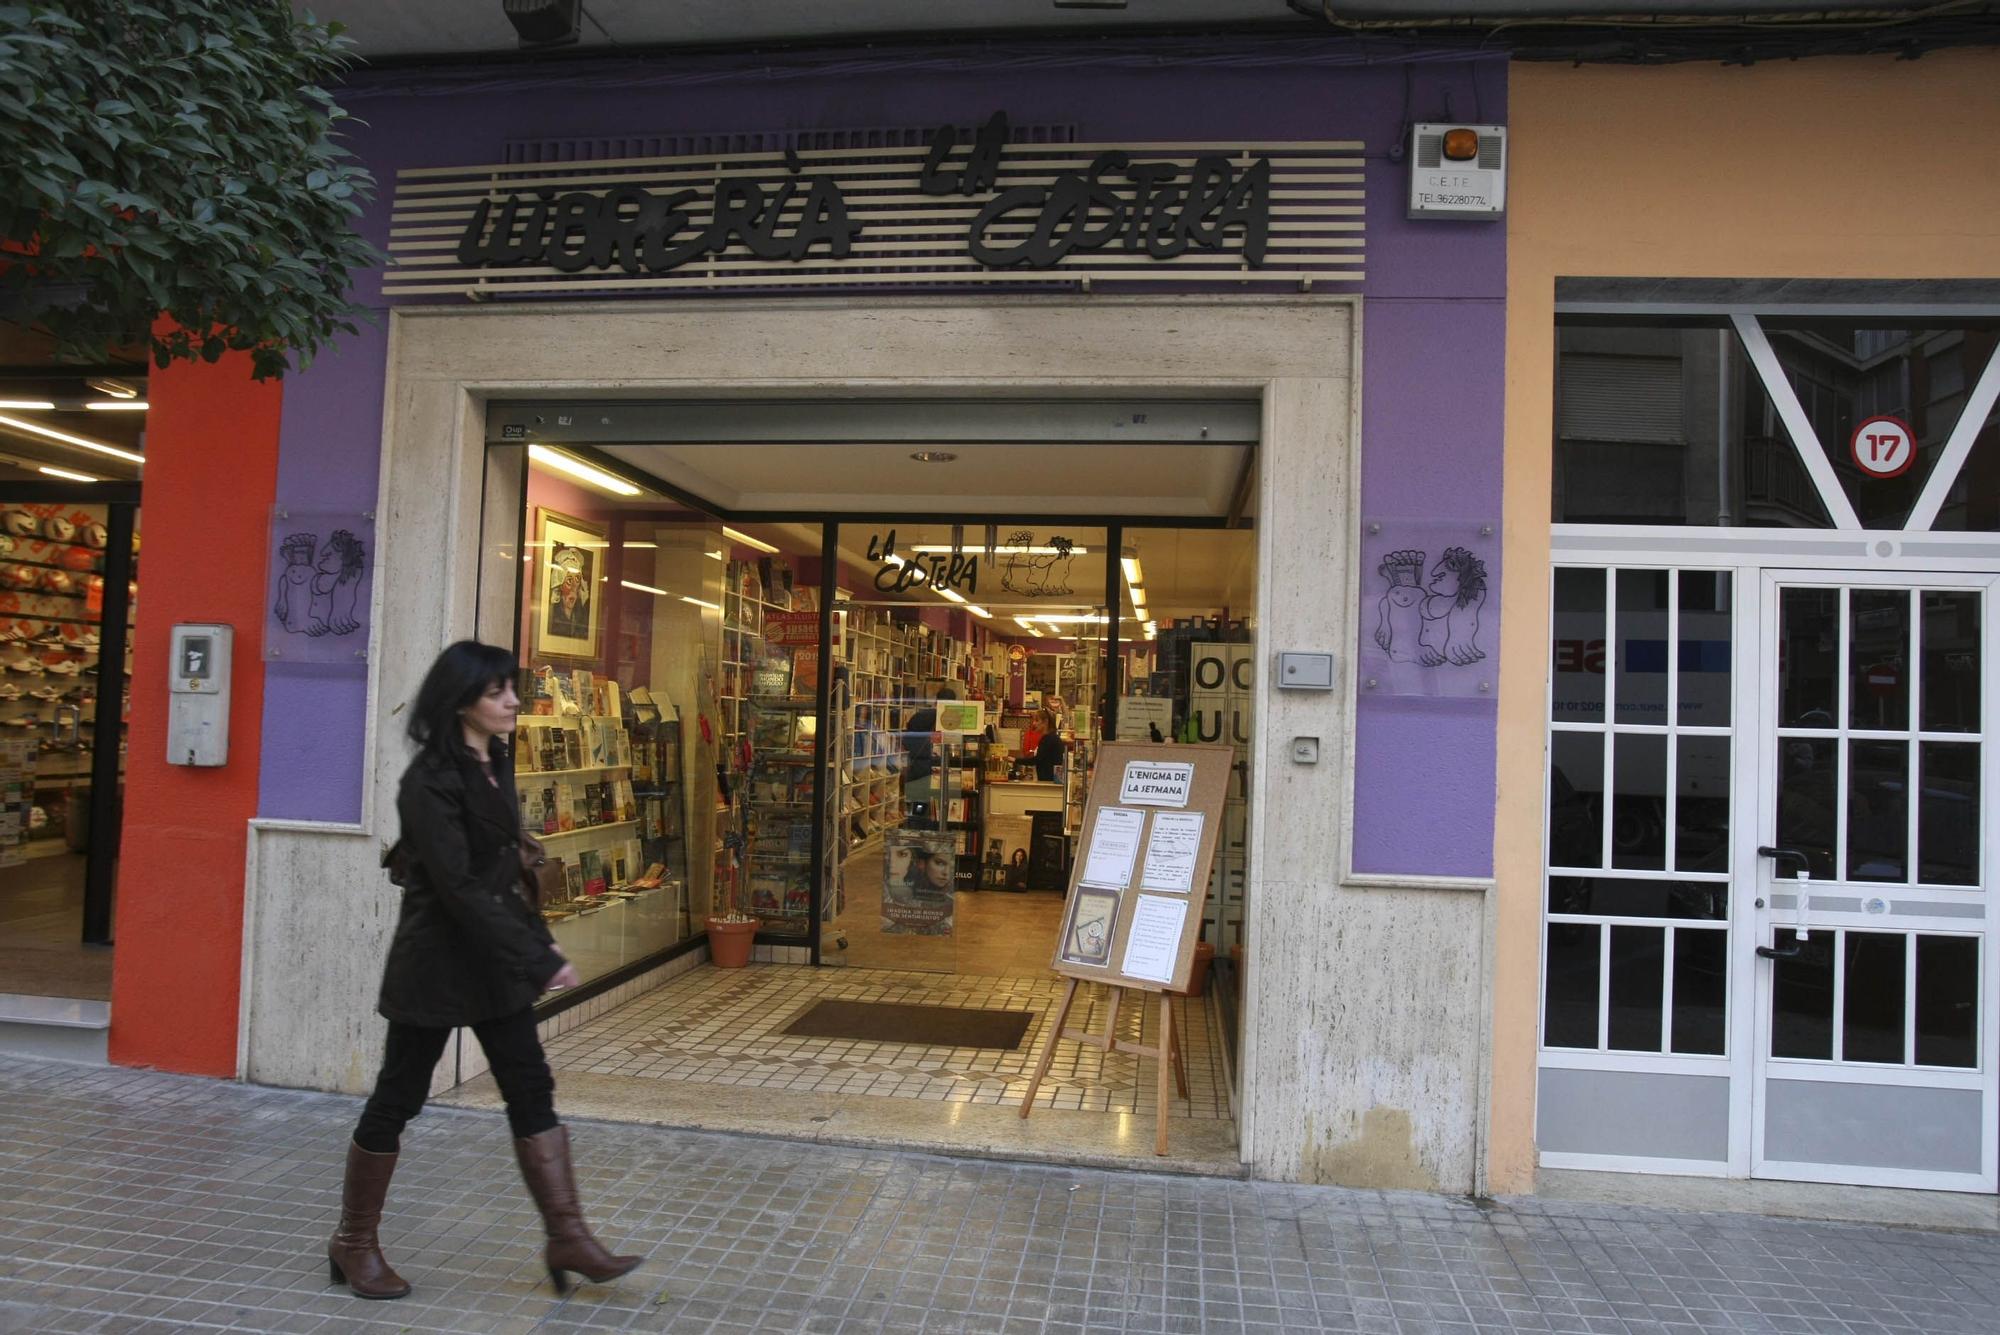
1777 952
1783 855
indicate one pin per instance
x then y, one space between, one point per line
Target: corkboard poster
1151 824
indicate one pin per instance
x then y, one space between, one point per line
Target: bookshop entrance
814 728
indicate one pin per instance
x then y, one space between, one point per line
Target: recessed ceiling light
581 471
933 456
81 442
759 544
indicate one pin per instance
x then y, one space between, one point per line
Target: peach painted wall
1825 168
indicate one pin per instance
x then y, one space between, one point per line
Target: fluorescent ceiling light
65 473
649 546
748 541
81 442
1133 575
117 389
713 556
119 406
28 405
979 611
643 588
581 471
952 594
713 607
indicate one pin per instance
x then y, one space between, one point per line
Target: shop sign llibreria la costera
958 205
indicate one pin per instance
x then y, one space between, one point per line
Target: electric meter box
198 695
1467 188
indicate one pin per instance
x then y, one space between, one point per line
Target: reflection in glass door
1874 1051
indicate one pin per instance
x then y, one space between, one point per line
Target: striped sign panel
1286 214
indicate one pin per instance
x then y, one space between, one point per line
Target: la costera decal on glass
1429 608
322 568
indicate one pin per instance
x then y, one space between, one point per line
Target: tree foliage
177 158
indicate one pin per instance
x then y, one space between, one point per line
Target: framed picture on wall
567 617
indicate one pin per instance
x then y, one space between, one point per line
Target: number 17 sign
1884 447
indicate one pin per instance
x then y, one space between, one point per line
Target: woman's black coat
467 947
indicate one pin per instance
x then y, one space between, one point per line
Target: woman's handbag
541 875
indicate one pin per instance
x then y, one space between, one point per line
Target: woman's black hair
461 674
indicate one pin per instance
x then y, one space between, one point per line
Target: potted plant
732 931
1204 955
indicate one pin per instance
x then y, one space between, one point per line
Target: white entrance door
1872 1045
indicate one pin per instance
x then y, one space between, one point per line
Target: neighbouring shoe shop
781 412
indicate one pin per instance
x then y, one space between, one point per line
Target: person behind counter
1050 752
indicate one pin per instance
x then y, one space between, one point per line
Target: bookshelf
597 778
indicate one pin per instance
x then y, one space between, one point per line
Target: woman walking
468 951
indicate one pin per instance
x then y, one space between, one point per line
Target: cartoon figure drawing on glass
336 584
1399 628
319 587
1433 623
1037 570
1451 613
294 581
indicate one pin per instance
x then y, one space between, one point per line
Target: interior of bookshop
863 743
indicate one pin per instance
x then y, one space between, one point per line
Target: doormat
930 1026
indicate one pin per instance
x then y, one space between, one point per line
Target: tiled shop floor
134 1202
721 1027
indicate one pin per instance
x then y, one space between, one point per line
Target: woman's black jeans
512 1049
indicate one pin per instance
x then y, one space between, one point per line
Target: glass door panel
954 648
1872 1063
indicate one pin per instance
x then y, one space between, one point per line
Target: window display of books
597 779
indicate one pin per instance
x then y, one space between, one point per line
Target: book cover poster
1086 938
919 867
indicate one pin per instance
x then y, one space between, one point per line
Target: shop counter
1020 797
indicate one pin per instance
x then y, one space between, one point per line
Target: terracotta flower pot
1204 955
729 942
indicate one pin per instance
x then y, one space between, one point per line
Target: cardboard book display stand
1151 823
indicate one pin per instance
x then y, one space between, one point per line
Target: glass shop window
1668 423
1847 371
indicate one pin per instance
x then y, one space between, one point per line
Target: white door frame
1852 557
1761 921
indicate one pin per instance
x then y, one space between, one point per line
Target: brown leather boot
546 1169
354 1257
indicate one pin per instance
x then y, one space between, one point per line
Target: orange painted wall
211 473
1847 168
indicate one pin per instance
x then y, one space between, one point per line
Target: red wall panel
211 474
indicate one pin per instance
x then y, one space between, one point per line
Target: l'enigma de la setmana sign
1158 209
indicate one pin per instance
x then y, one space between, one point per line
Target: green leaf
180 158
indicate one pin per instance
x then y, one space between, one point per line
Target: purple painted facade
1432 328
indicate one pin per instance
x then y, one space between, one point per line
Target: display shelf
559 773
587 829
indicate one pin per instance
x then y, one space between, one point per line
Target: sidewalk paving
136 1202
